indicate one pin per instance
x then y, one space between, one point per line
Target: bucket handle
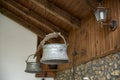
47 37
52 35
29 57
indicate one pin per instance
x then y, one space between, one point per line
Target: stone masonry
106 68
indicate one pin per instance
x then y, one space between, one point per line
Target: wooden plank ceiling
45 16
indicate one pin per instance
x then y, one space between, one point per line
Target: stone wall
106 68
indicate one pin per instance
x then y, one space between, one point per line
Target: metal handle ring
55 34
29 57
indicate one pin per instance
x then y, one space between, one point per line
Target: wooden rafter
40 5
26 24
59 13
43 21
25 16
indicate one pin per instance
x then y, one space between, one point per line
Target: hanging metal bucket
55 53
32 67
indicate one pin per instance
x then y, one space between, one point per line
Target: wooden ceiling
45 16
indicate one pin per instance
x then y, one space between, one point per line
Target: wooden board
91 40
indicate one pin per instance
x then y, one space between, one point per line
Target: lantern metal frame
101 14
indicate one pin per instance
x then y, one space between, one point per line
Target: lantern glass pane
101 14
97 15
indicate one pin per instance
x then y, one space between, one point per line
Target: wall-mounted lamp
101 14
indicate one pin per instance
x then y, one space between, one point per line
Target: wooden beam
59 13
40 6
26 24
43 21
26 17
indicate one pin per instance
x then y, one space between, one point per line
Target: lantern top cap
100 6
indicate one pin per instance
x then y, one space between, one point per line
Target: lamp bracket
113 25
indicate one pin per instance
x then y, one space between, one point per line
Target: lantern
101 14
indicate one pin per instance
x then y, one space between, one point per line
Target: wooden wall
91 41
